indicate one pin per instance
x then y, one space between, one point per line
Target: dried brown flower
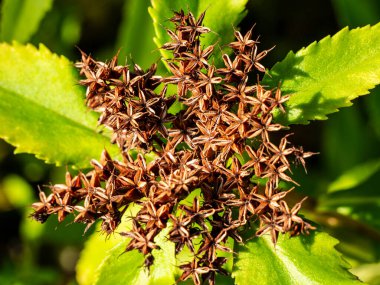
221 143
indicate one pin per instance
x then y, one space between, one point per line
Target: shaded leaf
135 39
355 176
221 17
344 132
355 13
298 260
328 74
42 109
372 104
364 210
361 203
22 275
20 18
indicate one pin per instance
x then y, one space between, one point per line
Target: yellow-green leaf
104 260
327 75
298 260
128 268
42 109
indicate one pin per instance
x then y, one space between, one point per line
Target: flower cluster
220 142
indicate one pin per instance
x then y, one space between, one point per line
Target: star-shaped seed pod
223 144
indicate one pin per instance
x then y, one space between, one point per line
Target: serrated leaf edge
314 44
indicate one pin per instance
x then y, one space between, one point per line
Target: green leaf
356 13
121 268
338 142
299 260
355 176
361 202
97 249
163 271
372 102
221 17
369 273
20 18
29 229
328 74
136 33
42 109
17 190
104 260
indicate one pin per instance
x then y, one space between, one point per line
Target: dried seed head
220 143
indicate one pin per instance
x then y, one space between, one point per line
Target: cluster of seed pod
221 142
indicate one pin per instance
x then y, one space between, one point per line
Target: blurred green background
342 181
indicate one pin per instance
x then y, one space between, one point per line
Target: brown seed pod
220 144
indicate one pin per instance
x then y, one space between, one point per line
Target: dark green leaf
344 132
360 201
355 176
136 33
355 13
373 103
20 18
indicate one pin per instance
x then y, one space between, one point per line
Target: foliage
55 103
21 18
222 27
136 22
39 92
292 261
321 82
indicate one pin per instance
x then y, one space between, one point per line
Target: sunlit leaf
122 267
42 109
97 249
298 260
104 260
328 74
20 18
